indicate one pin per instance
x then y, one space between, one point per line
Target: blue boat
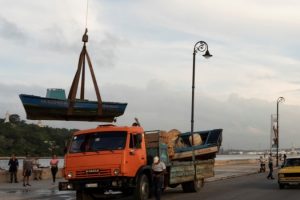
43 108
211 142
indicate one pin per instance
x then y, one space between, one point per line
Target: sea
45 162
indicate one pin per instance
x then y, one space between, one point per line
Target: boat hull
40 108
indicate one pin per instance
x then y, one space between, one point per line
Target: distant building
56 93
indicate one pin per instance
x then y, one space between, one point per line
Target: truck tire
82 195
281 186
192 186
173 185
142 189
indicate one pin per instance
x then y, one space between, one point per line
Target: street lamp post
279 100
200 46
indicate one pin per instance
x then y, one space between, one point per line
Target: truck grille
292 175
93 173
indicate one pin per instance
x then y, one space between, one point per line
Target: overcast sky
142 54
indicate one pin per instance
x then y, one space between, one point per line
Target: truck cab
107 157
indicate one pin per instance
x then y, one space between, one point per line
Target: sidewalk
232 171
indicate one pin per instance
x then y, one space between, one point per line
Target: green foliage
21 138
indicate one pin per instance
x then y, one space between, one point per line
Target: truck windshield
99 141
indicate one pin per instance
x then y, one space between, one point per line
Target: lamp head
280 99
207 54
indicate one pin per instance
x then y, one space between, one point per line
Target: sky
142 54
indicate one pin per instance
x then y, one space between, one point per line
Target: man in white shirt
159 169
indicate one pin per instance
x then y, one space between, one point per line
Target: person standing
262 164
270 176
159 169
37 172
284 159
54 167
27 170
13 168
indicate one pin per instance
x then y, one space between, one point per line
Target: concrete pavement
232 171
43 189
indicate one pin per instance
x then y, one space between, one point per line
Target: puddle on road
12 192
36 194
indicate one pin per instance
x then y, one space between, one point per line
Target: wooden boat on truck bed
43 108
211 141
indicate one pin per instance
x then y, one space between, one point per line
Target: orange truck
114 160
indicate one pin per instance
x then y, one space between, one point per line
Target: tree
19 137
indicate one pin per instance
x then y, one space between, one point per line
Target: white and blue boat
45 108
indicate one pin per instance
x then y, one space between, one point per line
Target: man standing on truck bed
159 169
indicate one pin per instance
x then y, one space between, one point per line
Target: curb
231 177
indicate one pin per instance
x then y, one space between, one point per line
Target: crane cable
86 14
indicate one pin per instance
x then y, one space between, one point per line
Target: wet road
33 194
250 187
247 187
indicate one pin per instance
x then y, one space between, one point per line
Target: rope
87 12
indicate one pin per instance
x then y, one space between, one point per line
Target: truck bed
183 171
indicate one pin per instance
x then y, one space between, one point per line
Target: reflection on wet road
35 194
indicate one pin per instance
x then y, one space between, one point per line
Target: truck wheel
281 186
81 195
173 185
142 189
127 191
192 186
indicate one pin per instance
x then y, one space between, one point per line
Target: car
289 174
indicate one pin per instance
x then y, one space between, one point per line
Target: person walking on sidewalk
270 176
158 168
13 168
27 170
54 167
262 164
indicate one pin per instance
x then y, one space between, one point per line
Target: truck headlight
116 172
280 175
70 186
70 175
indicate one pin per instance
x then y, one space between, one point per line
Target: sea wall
236 162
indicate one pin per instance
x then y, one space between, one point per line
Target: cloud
246 122
106 50
11 31
142 54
